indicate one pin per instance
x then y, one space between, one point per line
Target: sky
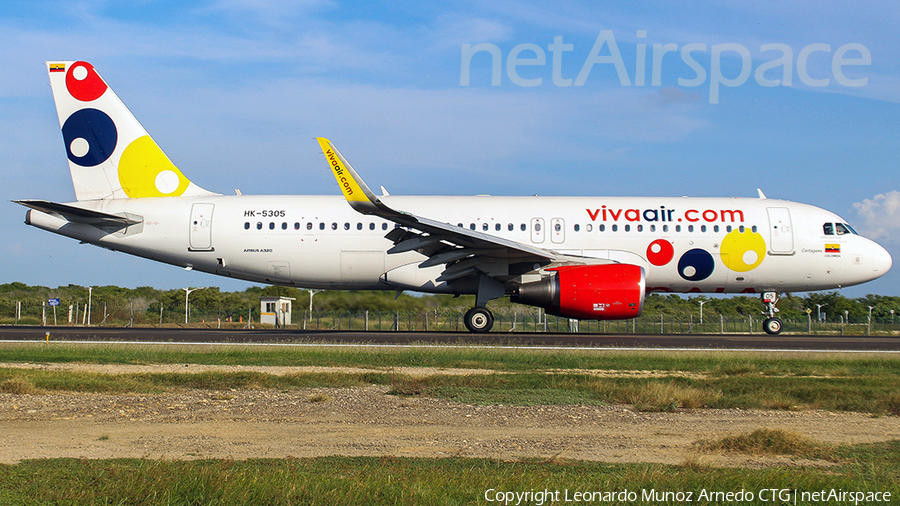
800 99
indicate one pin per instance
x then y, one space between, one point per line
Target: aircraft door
781 233
537 230
557 230
201 227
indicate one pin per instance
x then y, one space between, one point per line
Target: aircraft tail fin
110 154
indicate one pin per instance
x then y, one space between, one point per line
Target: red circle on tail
83 82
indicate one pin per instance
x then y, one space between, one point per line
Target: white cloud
880 215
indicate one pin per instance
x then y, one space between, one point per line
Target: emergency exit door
201 227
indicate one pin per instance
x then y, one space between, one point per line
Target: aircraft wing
465 251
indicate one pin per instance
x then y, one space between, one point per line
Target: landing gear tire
479 320
772 326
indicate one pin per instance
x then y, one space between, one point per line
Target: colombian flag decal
832 248
57 67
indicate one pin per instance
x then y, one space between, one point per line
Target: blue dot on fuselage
696 265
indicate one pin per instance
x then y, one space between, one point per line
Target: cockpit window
841 229
850 228
829 228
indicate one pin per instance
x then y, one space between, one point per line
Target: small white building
275 310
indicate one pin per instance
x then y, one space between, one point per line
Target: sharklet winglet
354 189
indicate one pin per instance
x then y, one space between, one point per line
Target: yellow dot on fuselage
743 251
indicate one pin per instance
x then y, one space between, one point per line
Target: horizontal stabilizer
80 215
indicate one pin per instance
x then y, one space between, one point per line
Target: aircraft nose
881 260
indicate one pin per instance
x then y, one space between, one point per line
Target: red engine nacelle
591 292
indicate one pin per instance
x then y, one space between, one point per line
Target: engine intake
591 292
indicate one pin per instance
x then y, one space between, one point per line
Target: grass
680 380
720 363
388 480
683 380
771 442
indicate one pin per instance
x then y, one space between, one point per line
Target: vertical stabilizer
110 154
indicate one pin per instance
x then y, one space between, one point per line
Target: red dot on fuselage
83 82
660 252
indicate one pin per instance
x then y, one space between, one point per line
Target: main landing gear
479 320
771 325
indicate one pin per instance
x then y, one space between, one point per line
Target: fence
506 319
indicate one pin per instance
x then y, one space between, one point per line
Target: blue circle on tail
696 265
95 128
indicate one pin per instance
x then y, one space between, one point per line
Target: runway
344 337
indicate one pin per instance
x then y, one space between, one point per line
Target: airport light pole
311 293
701 310
819 311
187 293
90 293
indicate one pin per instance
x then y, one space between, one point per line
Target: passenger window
484 226
828 228
753 229
615 228
678 228
728 228
577 227
333 226
841 229
322 226
665 228
602 227
460 225
346 226
309 225
628 228
471 226
359 226
497 227
283 225
523 227
296 226
653 228
741 229
690 228
246 225
537 227
371 226
588 227
715 228
511 227
703 228
258 225
384 226
557 227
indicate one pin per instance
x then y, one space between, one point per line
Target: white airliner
577 257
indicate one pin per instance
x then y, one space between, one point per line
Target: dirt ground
243 424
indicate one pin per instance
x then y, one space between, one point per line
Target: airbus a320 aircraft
577 257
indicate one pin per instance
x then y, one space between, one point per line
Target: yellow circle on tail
145 171
743 251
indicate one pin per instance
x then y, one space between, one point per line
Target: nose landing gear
771 325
